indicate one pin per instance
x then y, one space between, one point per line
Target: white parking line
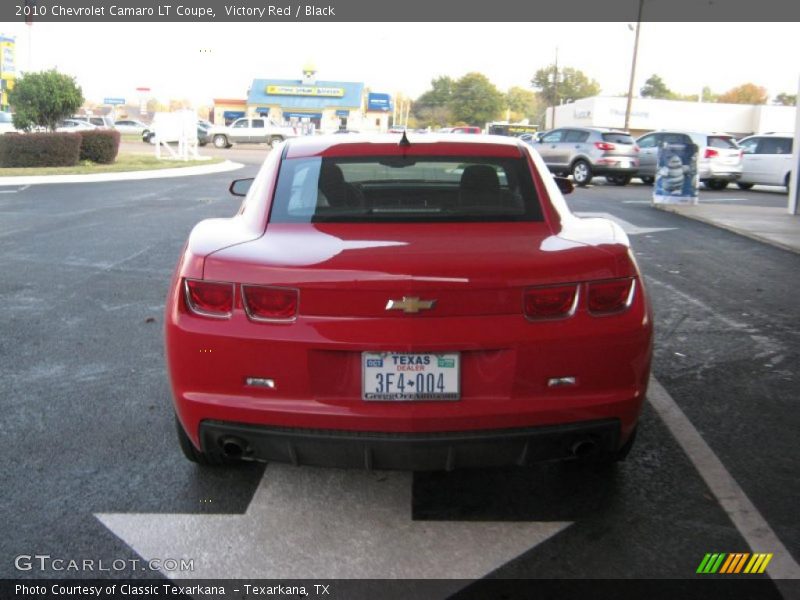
745 516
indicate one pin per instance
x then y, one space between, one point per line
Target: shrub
39 149
100 146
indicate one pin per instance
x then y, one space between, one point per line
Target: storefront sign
305 90
381 102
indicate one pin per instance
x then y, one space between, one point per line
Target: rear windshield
721 141
396 189
618 138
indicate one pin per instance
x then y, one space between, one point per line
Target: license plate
397 376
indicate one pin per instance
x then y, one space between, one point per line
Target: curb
122 176
743 232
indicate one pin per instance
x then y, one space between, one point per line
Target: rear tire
716 184
582 173
220 141
619 179
647 180
744 186
193 454
274 139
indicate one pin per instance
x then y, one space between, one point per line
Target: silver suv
585 152
719 158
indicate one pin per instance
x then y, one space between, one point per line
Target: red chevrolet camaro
396 302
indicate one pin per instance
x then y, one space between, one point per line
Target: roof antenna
404 140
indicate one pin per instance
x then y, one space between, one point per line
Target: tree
433 107
572 84
524 104
475 100
709 96
42 99
655 87
747 93
784 99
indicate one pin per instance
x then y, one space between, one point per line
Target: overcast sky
204 60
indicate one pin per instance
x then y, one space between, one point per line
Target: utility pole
555 89
633 66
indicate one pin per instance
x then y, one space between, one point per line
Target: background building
228 109
649 114
309 103
8 68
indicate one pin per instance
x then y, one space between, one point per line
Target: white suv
767 160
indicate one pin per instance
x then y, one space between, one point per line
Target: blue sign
382 102
113 101
233 114
676 175
342 113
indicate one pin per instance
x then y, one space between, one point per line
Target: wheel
618 179
220 141
716 184
744 186
192 453
582 172
646 179
275 139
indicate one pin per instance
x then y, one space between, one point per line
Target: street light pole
633 66
555 89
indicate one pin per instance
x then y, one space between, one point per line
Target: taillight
710 153
209 298
263 303
606 297
551 302
604 146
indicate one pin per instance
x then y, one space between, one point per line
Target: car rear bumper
410 451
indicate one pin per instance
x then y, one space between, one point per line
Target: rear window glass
397 189
721 141
618 138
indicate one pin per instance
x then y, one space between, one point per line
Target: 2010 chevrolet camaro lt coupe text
420 303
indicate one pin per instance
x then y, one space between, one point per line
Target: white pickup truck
250 130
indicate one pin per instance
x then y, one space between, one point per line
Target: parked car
203 136
531 138
372 308
73 125
585 152
719 158
251 130
767 160
7 123
131 126
466 129
98 121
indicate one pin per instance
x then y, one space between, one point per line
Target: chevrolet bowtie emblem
410 304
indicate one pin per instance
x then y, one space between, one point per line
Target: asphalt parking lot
93 471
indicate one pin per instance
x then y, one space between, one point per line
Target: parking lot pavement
96 473
769 224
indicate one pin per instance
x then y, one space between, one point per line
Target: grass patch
124 162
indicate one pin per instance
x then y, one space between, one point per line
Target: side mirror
564 184
240 187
